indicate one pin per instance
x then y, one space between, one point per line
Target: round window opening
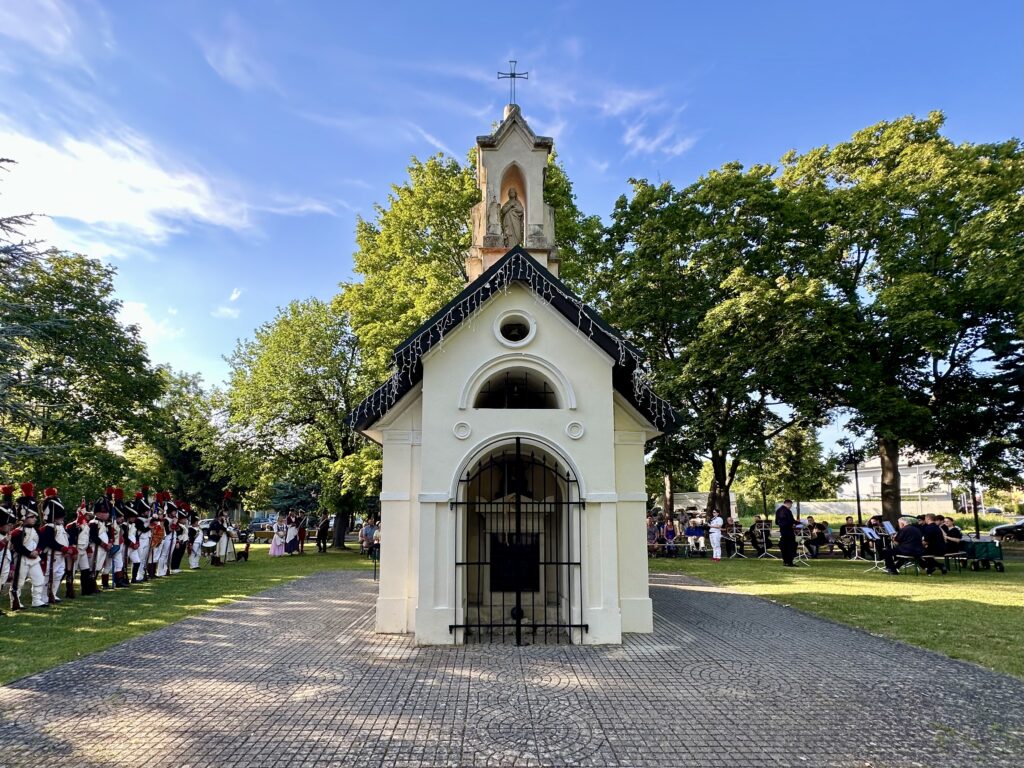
515 329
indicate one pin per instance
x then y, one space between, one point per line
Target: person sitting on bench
934 545
907 542
815 538
953 535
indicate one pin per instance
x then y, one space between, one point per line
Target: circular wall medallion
462 430
574 430
515 328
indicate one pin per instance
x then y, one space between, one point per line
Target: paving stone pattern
296 677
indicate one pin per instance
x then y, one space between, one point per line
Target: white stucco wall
425 453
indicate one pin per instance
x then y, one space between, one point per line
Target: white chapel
513 431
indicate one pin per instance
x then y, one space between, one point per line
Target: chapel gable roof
515 119
517 266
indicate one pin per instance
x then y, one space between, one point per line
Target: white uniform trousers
58 570
142 557
716 543
194 551
5 568
163 564
31 572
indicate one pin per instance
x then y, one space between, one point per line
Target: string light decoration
517 266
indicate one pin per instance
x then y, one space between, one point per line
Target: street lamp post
853 459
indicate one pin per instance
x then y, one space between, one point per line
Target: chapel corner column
600 571
435 608
631 512
395 588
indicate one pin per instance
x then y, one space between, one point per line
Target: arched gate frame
518 572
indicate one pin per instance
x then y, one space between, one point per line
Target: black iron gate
518 573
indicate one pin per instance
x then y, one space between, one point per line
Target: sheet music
888 528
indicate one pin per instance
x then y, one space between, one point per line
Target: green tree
923 261
93 387
675 273
291 387
795 467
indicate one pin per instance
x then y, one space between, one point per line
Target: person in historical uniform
139 555
7 519
84 547
119 527
99 542
156 541
27 565
195 541
168 519
54 544
180 535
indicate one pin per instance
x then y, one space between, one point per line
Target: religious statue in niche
512 220
493 217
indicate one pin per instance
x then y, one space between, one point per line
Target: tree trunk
668 499
889 452
718 497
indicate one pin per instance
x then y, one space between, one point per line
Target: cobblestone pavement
295 677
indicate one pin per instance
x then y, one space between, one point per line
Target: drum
209 547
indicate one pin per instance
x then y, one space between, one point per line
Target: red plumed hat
188 507
6 490
50 493
145 488
27 489
227 495
108 491
119 493
179 503
138 494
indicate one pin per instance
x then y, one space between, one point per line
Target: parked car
1009 531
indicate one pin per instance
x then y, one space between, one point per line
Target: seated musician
732 536
953 535
814 537
760 535
908 541
934 544
695 534
847 539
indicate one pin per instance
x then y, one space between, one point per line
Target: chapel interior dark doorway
518 577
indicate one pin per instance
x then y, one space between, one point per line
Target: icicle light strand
517 268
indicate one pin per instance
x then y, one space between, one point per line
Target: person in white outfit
715 535
28 568
195 539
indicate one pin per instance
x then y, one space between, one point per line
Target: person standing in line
786 523
195 540
323 529
291 539
715 535
27 563
8 518
277 540
302 521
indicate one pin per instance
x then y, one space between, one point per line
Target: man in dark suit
907 541
787 533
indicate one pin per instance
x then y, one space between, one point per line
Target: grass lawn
34 640
976 617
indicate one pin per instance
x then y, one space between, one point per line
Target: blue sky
218 153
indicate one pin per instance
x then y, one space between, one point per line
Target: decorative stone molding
623 437
462 430
394 496
602 497
517 316
574 430
563 387
403 437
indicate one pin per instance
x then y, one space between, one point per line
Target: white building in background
919 479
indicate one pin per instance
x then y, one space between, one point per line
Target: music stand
858 546
764 530
802 555
871 536
736 539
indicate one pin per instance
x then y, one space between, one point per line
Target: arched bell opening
518 572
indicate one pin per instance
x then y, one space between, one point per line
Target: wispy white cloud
617 101
151 330
430 139
116 181
230 55
598 165
667 139
236 294
55 29
172 311
226 313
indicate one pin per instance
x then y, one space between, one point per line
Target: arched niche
513 178
564 394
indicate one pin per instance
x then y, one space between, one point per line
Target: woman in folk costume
291 538
139 555
277 542
55 545
195 539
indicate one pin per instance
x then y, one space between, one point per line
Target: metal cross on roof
512 77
